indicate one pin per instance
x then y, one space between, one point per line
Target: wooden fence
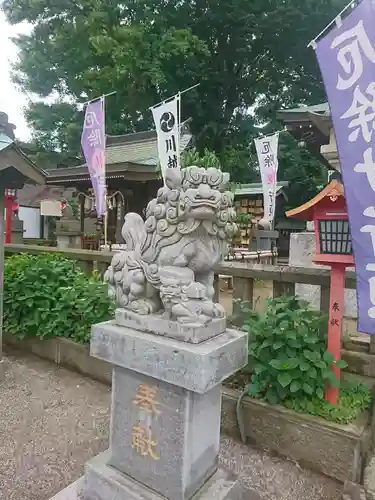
243 275
283 278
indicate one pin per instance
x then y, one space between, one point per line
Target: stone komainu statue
169 259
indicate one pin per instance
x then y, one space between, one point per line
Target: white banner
166 118
267 148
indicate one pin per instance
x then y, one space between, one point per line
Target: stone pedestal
168 367
68 239
166 405
68 233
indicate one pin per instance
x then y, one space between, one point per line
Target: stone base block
103 483
195 367
68 239
158 325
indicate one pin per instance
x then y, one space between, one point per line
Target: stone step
359 379
357 344
360 363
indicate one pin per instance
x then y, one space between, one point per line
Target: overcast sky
12 101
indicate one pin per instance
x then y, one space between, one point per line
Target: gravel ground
52 420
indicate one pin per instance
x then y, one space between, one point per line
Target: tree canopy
249 56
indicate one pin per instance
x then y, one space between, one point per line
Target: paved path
52 420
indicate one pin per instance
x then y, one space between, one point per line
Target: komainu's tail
133 231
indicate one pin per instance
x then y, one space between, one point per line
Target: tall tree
248 55
305 174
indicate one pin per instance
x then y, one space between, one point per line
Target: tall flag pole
267 150
346 55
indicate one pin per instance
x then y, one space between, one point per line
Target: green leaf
333 380
253 389
291 335
293 363
313 373
310 407
296 344
265 343
266 355
310 355
295 386
253 347
260 369
291 353
308 389
278 345
311 340
341 364
320 393
277 364
328 358
283 392
304 366
272 396
296 373
285 364
284 379
321 364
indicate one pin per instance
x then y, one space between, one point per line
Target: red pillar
336 311
8 218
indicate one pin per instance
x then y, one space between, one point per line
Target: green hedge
49 296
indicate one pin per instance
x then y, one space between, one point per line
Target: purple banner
346 57
93 146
